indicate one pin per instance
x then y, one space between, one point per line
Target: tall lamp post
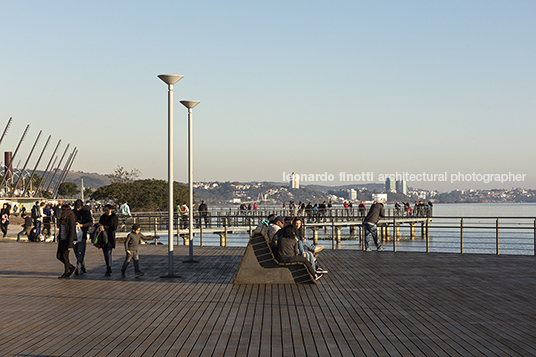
190 104
170 80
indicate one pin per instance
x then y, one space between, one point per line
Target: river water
515 222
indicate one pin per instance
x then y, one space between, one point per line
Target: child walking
131 247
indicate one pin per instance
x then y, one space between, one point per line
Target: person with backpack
4 216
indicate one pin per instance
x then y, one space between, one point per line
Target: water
516 234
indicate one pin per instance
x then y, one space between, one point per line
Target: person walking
375 212
4 215
66 237
84 220
26 226
132 242
109 222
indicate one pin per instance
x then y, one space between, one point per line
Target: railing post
461 236
332 234
497 236
201 232
427 239
394 234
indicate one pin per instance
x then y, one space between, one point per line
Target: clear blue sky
304 86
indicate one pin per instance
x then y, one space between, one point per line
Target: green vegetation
142 195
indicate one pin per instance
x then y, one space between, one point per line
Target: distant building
402 187
379 197
294 180
390 185
352 194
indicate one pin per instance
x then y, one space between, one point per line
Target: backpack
32 237
35 212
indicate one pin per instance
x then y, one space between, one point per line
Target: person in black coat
4 216
66 237
84 220
109 221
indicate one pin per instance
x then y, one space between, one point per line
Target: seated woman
288 249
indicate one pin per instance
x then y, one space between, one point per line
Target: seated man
275 225
288 249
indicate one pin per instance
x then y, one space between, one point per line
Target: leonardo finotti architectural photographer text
406 176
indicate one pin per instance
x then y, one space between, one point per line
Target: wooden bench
260 266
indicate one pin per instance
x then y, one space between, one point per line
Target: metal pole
63 174
497 236
66 171
6 129
59 180
45 173
57 168
190 104
461 236
35 168
170 80
26 163
8 165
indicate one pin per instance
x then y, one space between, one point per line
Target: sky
439 90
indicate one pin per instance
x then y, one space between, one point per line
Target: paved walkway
370 304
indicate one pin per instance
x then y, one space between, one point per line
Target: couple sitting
288 241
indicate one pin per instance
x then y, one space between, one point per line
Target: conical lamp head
190 103
170 79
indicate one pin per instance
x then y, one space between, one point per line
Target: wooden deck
370 304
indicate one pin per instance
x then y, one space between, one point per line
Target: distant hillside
91 180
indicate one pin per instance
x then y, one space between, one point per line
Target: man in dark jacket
84 220
375 212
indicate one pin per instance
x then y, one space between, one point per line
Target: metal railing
480 235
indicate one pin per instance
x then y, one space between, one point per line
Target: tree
142 195
69 189
120 175
88 191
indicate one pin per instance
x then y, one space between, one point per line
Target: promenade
370 304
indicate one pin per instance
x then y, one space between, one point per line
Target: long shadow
209 269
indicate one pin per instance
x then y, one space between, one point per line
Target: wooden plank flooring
370 304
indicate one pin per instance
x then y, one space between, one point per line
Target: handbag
79 235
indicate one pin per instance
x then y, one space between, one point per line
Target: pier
369 304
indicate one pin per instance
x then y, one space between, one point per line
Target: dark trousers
135 258
107 251
63 254
4 227
80 252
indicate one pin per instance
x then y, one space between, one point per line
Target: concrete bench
260 266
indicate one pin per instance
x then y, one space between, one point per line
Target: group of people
286 237
74 225
183 211
420 209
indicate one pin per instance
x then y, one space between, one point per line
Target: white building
352 194
379 197
294 180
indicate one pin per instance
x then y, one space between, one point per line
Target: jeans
371 229
38 224
308 255
80 252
